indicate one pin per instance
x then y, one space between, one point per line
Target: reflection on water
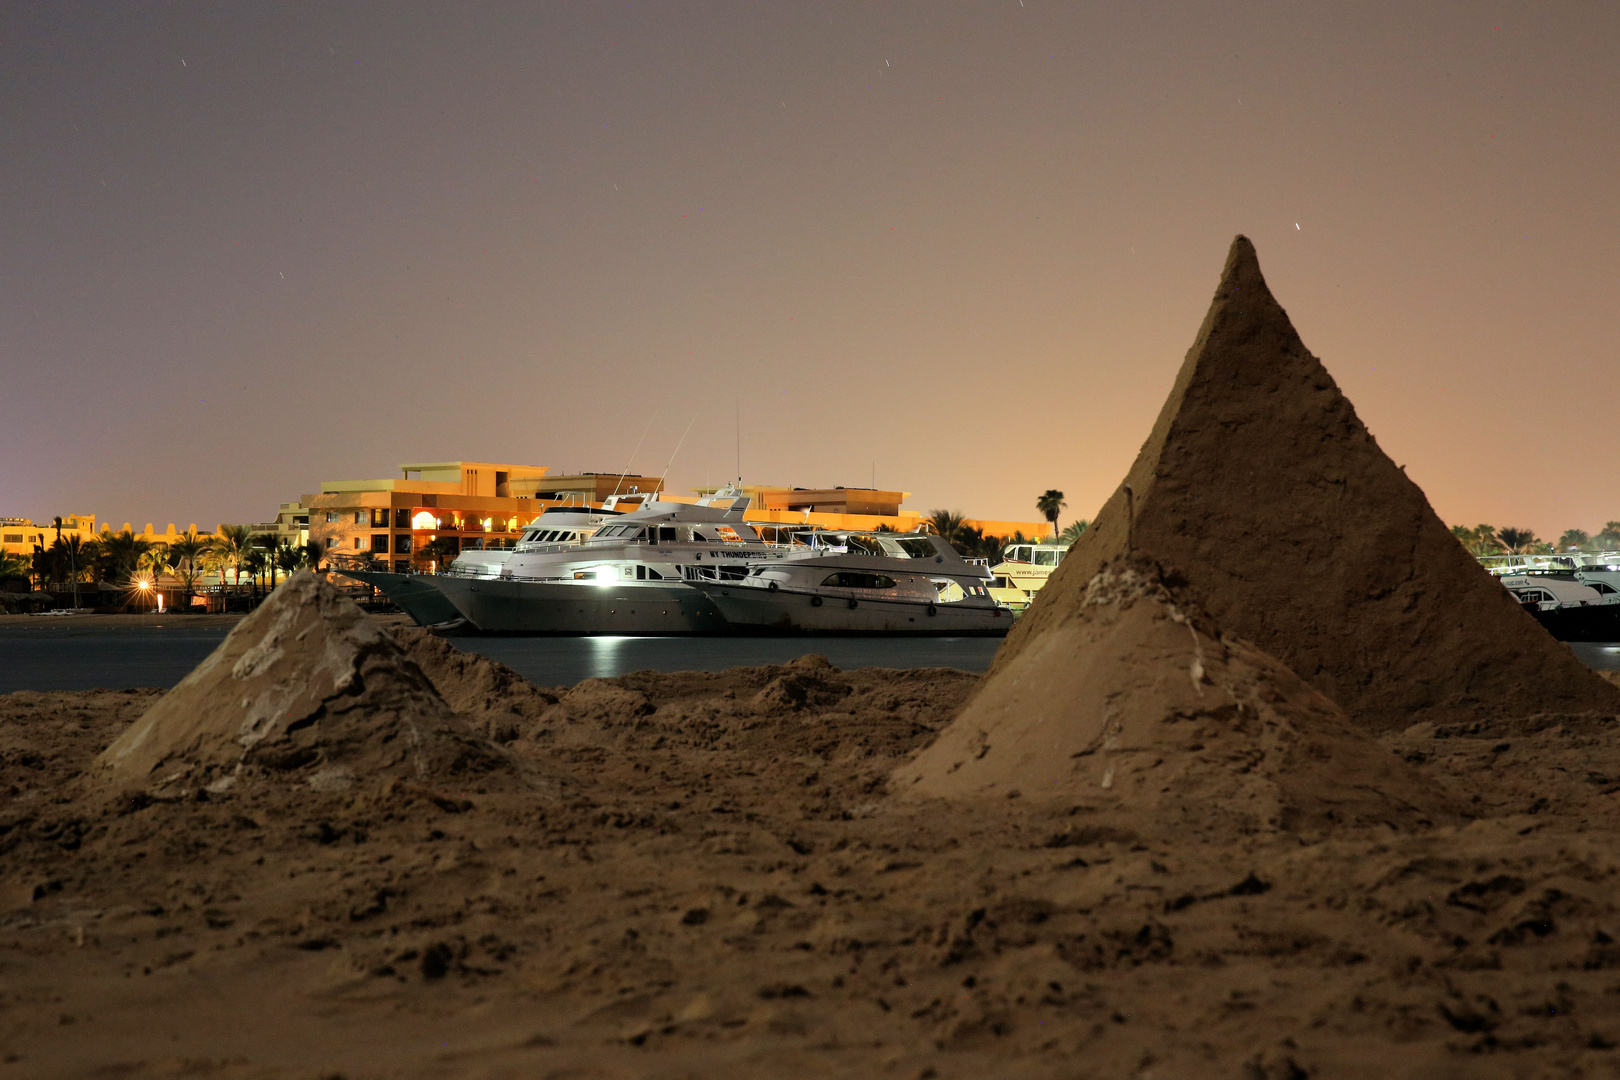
564 661
1598 655
61 658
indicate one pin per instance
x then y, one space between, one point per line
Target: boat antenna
736 404
634 452
684 434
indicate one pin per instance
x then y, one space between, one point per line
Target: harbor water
64 657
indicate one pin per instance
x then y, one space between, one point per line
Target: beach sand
707 875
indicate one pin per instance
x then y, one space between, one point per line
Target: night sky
248 247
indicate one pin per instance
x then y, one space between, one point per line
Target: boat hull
786 611
1581 623
416 595
504 606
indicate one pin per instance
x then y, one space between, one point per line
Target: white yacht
861 583
629 577
419 595
1571 608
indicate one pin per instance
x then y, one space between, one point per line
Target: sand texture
1137 703
723 885
1261 486
306 686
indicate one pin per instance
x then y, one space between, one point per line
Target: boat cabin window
1600 587
917 549
647 573
854 579
1047 556
727 534
863 544
666 534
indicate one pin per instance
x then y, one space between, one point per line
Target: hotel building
470 504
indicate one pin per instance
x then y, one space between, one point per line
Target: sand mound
1136 701
491 696
1263 488
308 686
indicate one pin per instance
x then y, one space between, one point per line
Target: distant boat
1570 609
1023 571
862 583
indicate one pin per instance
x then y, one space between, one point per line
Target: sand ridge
1137 702
723 884
1262 487
308 688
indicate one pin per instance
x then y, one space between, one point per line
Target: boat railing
528 547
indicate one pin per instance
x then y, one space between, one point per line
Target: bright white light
424 520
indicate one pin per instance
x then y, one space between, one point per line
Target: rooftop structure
440 508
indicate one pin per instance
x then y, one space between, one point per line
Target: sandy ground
707 875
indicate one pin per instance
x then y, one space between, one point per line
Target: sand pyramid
1261 487
305 686
1135 700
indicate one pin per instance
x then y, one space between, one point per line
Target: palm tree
313 553
1072 533
1609 538
254 562
288 556
121 553
1480 540
946 523
1051 505
1517 541
989 548
155 560
230 549
1573 538
185 557
267 543
15 565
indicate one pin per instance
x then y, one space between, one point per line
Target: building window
402 518
379 542
333 516
402 566
402 544
331 542
357 543
424 520
359 517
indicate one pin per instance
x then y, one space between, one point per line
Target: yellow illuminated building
465 504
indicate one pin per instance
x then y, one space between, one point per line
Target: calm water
59 657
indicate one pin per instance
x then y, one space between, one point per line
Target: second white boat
862 583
